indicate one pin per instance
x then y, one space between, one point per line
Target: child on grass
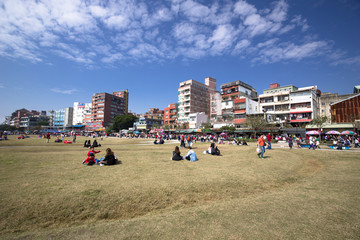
90 160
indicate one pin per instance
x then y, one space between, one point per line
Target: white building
304 104
80 111
197 119
289 104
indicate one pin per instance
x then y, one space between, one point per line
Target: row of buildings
200 103
97 115
282 105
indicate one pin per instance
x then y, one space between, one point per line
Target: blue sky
53 53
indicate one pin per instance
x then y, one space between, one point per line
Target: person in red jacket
90 160
268 138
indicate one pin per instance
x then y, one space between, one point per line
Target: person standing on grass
47 137
182 141
268 138
189 141
317 143
74 137
261 144
290 142
312 142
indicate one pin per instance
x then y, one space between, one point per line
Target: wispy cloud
68 92
2 85
121 31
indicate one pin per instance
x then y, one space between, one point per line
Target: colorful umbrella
347 132
313 132
223 133
332 132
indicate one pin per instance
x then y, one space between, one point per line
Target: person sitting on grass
213 150
87 143
176 154
110 158
90 160
191 156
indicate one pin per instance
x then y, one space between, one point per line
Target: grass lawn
46 193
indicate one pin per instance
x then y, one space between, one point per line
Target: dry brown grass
47 192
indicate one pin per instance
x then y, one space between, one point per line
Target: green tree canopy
123 122
5 127
229 129
42 123
256 122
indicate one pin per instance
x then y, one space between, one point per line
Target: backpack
188 139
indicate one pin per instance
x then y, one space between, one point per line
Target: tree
123 122
355 121
206 125
42 123
320 121
256 122
5 127
229 129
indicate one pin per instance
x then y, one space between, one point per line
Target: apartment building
154 113
238 99
170 114
275 103
289 104
243 106
327 99
80 111
105 107
215 107
197 119
125 96
63 118
194 97
32 118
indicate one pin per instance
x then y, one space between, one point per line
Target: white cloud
68 92
270 53
222 38
241 46
2 85
244 9
278 14
92 32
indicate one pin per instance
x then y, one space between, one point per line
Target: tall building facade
63 118
170 114
304 104
80 111
238 99
194 97
105 107
125 96
215 106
